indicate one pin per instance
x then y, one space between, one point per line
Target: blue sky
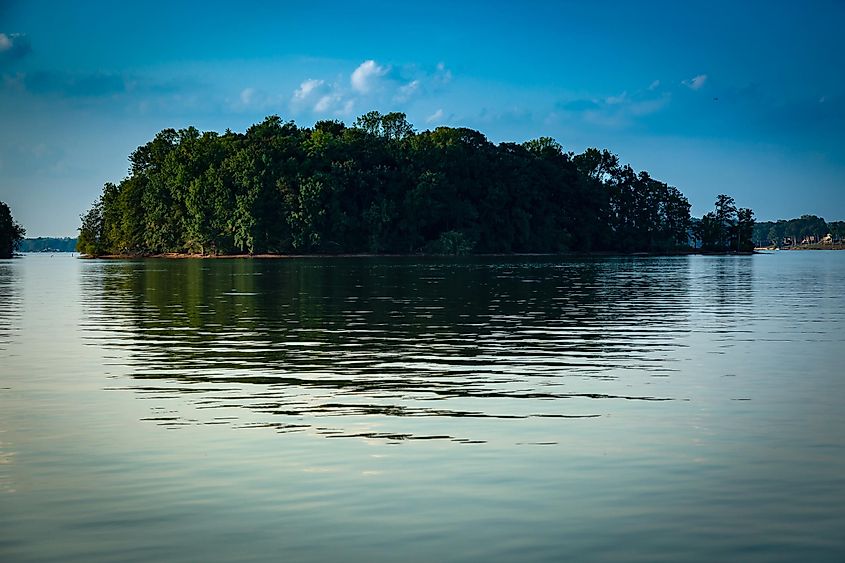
711 97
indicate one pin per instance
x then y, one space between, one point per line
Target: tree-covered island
381 187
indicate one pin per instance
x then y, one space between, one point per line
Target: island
381 187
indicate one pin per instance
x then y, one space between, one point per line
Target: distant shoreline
837 246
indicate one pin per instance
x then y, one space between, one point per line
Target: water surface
372 409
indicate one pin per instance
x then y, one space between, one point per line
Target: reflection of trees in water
10 302
10 313
723 289
387 336
731 283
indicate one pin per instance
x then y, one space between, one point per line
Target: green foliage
743 231
11 233
726 229
92 233
378 186
452 242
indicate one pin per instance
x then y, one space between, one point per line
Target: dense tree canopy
11 233
378 187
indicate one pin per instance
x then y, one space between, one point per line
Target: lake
423 409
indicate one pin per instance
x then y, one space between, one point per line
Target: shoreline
270 256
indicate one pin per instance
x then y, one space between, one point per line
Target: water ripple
287 342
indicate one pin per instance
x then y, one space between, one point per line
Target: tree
543 146
675 217
726 219
837 230
772 237
11 233
395 126
709 232
726 229
599 165
370 122
744 230
91 240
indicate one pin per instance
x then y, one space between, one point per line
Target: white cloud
615 111
318 96
247 96
325 103
335 104
616 100
365 77
436 116
255 99
696 83
408 90
306 88
654 85
443 75
13 46
647 107
370 85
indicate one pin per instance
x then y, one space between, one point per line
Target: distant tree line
794 231
48 244
379 187
11 233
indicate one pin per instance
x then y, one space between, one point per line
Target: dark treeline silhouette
807 229
727 228
11 233
377 187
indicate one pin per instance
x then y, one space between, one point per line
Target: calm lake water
423 409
